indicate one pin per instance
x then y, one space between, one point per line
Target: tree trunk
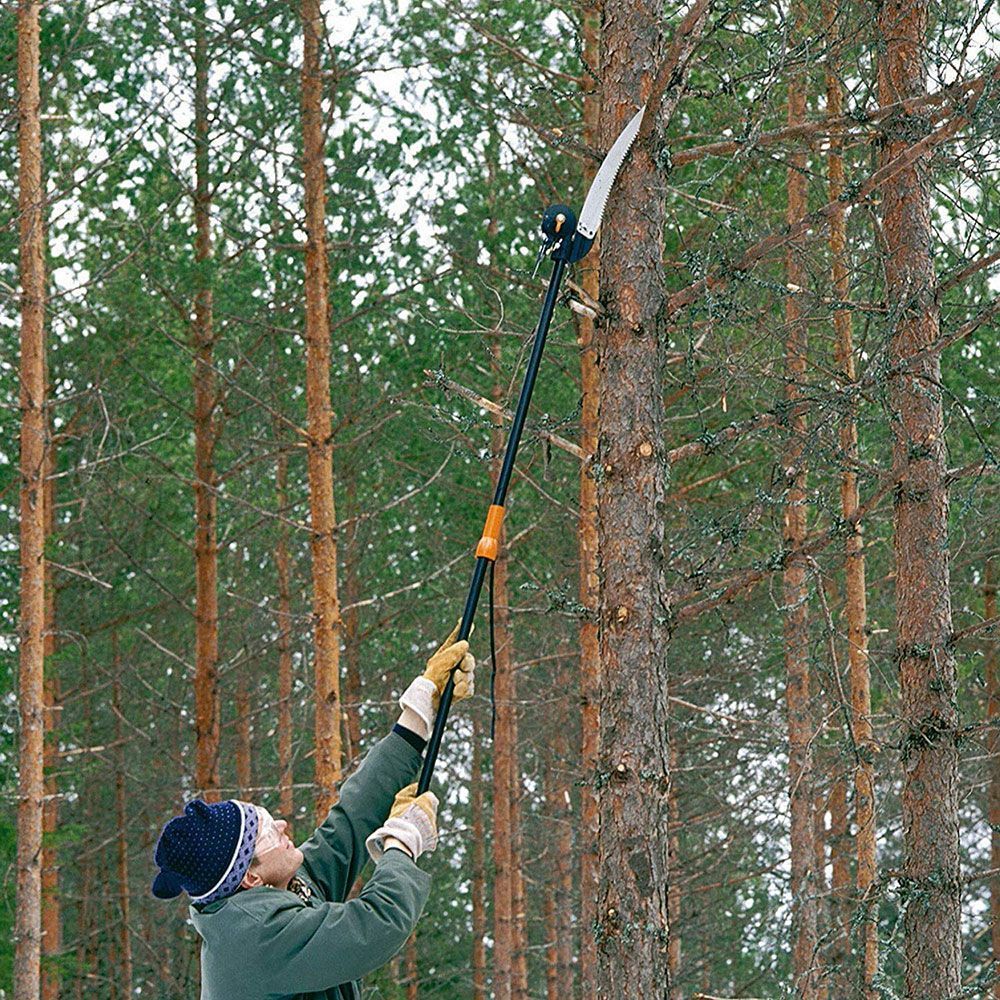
286 779
244 729
206 684
590 652
632 919
352 636
931 877
51 902
124 965
508 953
327 623
478 864
31 695
856 606
674 890
412 971
993 750
795 594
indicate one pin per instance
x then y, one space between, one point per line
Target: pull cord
493 658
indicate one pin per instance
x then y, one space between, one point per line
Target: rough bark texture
795 593
327 623
993 749
856 608
930 881
206 683
286 778
509 957
590 651
631 923
31 696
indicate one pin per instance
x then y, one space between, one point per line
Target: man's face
276 858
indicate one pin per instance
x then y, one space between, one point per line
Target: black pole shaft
503 481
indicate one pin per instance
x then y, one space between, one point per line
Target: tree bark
124 964
930 881
632 921
993 750
856 598
244 729
31 695
509 958
206 684
281 562
590 651
412 971
478 864
327 624
795 594
352 632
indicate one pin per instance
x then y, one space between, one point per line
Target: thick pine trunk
856 598
632 922
795 593
206 683
327 623
281 563
931 875
590 651
31 696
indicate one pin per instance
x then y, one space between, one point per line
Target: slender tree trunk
632 920
85 908
840 886
590 651
124 964
244 729
856 598
993 749
795 594
281 562
51 902
352 629
206 684
412 970
31 695
931 876
507 948
327 623
478 864
674 890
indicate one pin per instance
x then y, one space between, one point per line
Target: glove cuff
413 829
419 702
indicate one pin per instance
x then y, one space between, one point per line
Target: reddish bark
478 845
243 734
931 879
31 695
327 624
286 778
206 682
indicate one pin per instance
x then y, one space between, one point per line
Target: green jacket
268 944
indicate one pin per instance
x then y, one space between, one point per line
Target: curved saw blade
597 196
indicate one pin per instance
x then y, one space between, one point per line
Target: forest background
281 260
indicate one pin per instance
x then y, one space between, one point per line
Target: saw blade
597 196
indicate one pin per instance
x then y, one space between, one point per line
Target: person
274 919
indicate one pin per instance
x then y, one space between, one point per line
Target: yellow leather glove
421 699
412 821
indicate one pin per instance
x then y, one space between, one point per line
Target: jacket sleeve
303 949
335 853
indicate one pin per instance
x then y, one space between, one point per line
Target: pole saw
566 240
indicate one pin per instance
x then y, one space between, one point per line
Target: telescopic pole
486 552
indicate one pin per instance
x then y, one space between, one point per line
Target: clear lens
268 837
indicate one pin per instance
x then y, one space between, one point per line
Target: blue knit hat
207 851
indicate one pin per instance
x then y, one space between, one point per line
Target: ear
251 880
